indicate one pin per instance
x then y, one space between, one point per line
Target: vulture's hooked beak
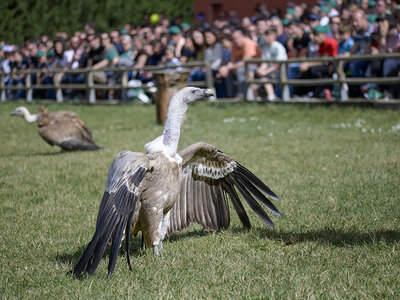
13 113
207 93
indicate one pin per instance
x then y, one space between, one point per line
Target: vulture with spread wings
163 191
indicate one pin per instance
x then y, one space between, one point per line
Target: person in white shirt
272 50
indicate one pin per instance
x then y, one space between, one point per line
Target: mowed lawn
336 170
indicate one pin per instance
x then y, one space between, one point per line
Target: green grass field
336 170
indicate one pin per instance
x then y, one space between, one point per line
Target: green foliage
336 170
29 19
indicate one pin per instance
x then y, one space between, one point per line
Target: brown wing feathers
115 215
209 176
65 129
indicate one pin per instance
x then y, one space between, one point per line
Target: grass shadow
334 237
33 154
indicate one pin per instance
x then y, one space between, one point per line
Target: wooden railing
341 80
90 86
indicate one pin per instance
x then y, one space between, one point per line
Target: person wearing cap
177 40
327 47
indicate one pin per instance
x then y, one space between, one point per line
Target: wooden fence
90 86
341 80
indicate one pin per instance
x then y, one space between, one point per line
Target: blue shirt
346 46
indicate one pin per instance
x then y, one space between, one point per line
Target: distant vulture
163 191
61 128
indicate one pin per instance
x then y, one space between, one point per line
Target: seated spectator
158 52
199 43
115 39
224 84
301 39
243 48
188 52
282 38
16 64
362 42
127 57
346 42
327 47
177 40
169 58
275 51
102 54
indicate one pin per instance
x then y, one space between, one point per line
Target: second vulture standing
163 191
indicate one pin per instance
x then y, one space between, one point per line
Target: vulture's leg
155 251
160 246
143 245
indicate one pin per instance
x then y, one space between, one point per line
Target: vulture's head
19 111
192 94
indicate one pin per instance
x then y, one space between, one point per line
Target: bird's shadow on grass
338 238
33 154
335 237
72 258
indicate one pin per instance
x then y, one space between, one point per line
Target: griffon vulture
163 191
61 128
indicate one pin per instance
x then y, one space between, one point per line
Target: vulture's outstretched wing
116 211
208 176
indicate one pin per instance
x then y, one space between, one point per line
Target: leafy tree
29 19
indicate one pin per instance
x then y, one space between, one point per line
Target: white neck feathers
168 141
27 116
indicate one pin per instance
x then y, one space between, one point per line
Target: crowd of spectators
326 28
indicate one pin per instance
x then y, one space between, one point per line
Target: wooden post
344 88
90 85
28 85
59 93
124 85
3 88
283 80
168 84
